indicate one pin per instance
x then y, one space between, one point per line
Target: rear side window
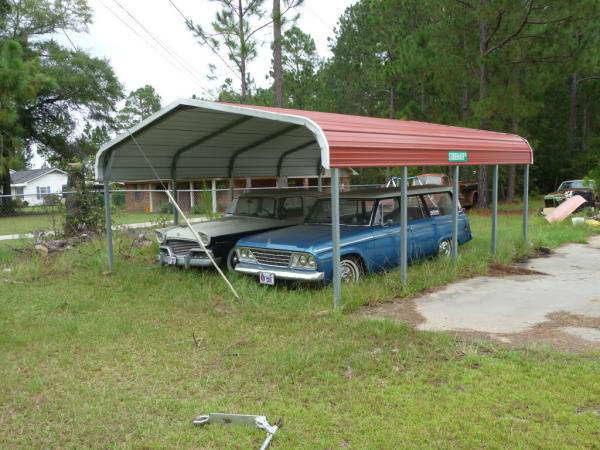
439 204
414 208
290 207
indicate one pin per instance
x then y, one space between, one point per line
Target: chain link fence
135 206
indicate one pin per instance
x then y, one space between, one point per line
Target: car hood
227 225
308 237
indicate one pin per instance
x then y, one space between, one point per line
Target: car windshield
352 212
255 207
577 184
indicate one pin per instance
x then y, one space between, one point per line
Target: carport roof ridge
193 138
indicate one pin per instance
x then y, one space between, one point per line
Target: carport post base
108 219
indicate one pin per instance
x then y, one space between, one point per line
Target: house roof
25 176
193 138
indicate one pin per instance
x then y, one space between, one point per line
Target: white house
33 185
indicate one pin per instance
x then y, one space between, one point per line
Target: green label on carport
458 157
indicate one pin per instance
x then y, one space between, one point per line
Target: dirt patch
403 310
503 270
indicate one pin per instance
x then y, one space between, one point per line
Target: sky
138 59
121 33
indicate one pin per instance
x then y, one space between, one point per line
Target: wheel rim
349 271
444 249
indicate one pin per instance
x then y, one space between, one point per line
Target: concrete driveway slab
514 304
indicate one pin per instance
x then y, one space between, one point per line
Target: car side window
438 204
290 207
415 209
388 211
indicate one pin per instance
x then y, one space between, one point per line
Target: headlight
204 239
160 237
304 260
245 253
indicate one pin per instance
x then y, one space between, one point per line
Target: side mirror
388 222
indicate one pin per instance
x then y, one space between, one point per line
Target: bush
165 208
197 209
118 199
51 200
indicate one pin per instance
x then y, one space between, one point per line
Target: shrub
165 208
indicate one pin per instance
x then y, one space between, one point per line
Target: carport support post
455 175
108 219
494 209
525 201
403 227
175 213
335 236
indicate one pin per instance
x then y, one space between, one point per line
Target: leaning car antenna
176 206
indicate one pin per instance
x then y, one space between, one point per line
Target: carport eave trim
312 126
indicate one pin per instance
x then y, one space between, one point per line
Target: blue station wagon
369 236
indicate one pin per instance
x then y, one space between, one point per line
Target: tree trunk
572 114
392 113
482 173
243 51
277 64
585 124
465 107
7 205
74 203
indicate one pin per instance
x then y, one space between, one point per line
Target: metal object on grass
240 419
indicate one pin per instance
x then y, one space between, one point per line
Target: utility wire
164 46
149 44
188 21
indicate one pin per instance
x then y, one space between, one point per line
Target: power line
164 46
187 21
153 47
72 45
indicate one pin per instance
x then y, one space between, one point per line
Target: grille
272 257
181 247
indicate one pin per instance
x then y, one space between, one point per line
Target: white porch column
214 195
150 197
192 199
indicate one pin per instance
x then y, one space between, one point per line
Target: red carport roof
193 139
360 141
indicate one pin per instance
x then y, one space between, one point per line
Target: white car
251 213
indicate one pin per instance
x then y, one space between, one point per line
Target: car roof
283 192
376 193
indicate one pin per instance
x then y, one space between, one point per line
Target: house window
41 191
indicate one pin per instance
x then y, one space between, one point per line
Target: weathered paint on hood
228 225
311 238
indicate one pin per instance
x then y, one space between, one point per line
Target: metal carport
198 139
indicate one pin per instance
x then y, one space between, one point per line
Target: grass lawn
93 360
55 221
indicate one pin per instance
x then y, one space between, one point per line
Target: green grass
93 360
51 222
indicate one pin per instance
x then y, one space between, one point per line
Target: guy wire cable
176 206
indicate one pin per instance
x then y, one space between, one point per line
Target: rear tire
232 260
350 269
445 248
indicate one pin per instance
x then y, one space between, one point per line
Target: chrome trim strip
284 274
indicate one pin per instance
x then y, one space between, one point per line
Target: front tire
232 260
445 248
350 270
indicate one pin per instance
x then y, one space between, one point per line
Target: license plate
266 278
172 260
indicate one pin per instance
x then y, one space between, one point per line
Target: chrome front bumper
280 272
194 258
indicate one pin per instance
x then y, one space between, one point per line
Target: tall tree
278 22
300 63
139 104
233 29
19 83
83 88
